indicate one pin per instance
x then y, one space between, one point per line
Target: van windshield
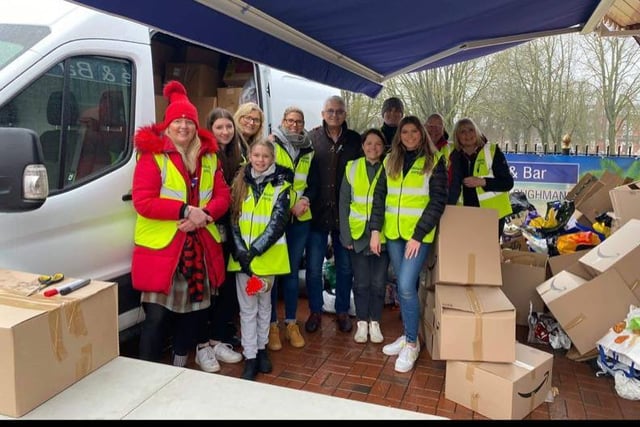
16 39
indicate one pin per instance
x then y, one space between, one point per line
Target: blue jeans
407 274
296 233
316 251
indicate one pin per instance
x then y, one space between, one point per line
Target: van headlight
35 183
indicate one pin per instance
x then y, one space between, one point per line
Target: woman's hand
198 217
300 208
474 181
411 249
374 242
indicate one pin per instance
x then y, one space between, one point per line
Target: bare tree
613 65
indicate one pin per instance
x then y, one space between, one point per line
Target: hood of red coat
152 139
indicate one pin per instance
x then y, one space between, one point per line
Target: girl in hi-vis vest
369 270
259 215
480 174
178 193
408 201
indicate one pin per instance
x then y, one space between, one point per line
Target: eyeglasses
253 120
331 112
291 122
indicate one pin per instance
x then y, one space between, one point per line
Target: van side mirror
23 177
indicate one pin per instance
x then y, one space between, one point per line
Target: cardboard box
238 71
201 55
582 188
428 322
597 200
161 107
476 323
517 244
50 343
562 262
586 305
614 248
204 105
229 98
198 79
625 200
468 251
522 273
501 391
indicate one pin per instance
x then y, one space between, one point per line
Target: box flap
559 285
561 262
614 247
473 299
532 259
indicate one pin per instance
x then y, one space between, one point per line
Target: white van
82 82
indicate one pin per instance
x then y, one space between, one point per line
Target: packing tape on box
57 309
575 322
471 268
634 285
477 313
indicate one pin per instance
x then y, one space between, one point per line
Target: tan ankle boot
274 337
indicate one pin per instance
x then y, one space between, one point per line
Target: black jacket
279 215
438 183
462 166
329 163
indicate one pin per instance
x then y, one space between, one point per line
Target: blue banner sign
552 173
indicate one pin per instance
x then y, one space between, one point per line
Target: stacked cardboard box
470 322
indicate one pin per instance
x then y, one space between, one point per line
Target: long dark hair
229 154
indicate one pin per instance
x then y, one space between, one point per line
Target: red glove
254 285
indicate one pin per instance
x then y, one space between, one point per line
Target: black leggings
159 323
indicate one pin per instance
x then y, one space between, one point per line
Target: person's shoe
274 337
180 361
394 348
344 322
264 363
407 357
374 332
250 371
206 359
313 322
292 333
224 353
362 330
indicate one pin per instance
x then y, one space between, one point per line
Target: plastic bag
573 242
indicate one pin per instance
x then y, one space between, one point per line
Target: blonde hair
239 186
244 110
395 157
480 139
189 153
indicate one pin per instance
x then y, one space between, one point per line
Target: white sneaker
224 353
407 357
394 348
374 332
361 333
206 359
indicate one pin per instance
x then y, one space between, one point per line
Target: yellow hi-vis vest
253 221
490 199
407 197
446 150
301 172
361 196
157 234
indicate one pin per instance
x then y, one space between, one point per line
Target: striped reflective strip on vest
253 221
361 195
157 234
498 200
407 197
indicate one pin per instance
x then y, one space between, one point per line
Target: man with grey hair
334 145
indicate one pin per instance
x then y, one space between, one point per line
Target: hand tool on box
46 280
